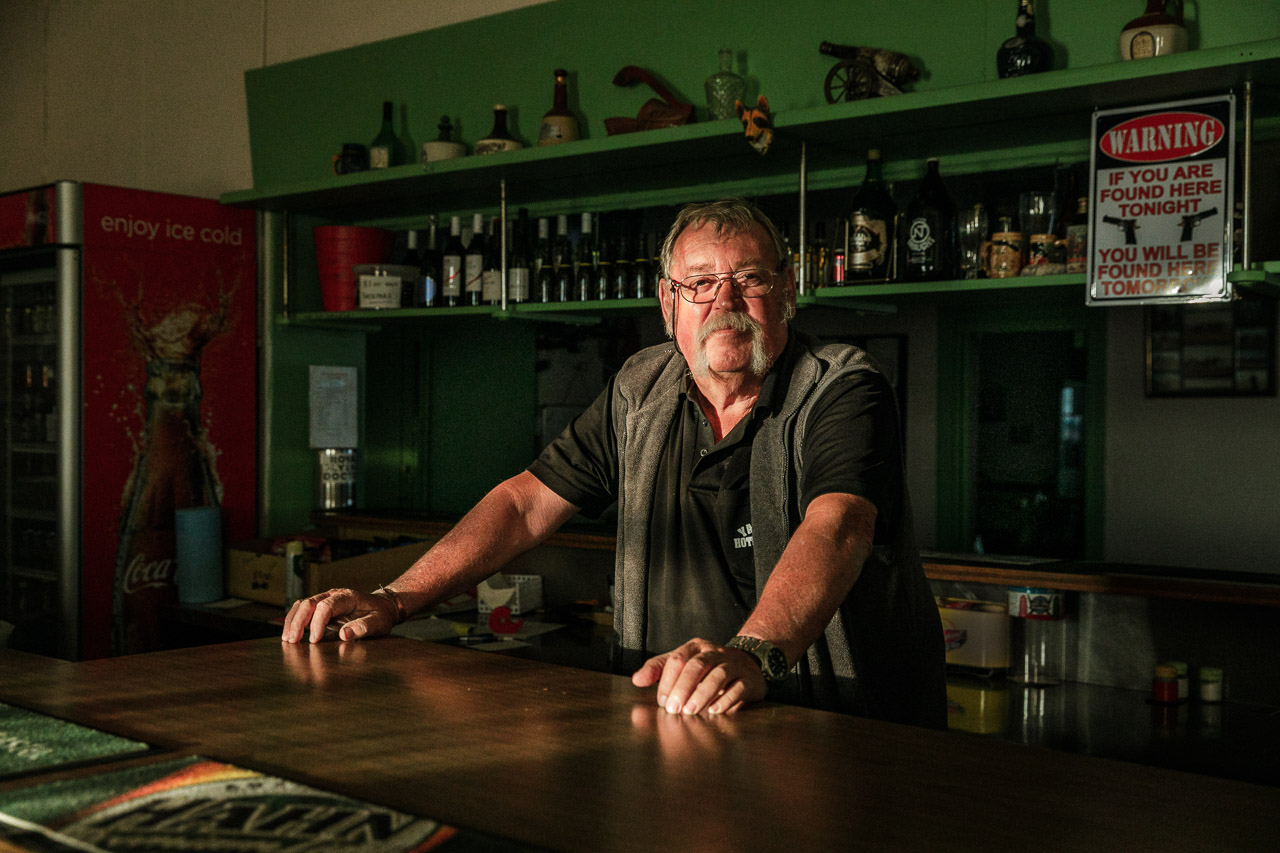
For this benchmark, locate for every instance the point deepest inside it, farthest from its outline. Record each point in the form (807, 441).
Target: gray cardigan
(882, 653)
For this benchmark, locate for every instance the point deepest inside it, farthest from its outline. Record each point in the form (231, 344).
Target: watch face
(777, 668)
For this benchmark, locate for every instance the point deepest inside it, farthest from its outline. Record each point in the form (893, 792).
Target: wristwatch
(773, 661)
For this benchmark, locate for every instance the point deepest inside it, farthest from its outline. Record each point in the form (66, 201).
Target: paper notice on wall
(1161, 203)
(334, 407)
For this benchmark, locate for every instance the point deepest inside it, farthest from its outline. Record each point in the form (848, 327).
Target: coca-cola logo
(1162, 136)
(142, 573)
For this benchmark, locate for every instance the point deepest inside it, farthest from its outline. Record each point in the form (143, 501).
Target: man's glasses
(752, 283)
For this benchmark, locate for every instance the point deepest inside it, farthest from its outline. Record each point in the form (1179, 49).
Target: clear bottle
(1037, 636)
(870, 252)
(384, 151)
(452, 270)
(1025, 53)
(473, 263)
(724, 88)
(930, 224)
(559, 125)
(499, 138)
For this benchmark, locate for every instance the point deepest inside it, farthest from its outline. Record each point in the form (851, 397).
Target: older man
(764, 532)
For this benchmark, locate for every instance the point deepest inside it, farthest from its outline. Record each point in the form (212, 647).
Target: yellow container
(978, 707)
(976, 633)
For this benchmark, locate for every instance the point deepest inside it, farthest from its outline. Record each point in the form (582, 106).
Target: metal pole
(1247, 178)
(801, 274)
(502, 242)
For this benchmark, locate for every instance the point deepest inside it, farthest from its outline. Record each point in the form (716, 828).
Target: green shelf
(964, 124)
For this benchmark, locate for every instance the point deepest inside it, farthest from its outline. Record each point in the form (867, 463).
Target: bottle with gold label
(870, 227)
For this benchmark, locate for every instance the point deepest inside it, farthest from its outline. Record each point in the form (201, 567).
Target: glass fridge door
(39, 579)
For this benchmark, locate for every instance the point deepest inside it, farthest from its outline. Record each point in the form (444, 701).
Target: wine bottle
(585, 262)
(453, 272)
(640, 272)
(562, 255)
(545, 267)
(871, 226)
(429, 270)
(605, 258)
(473, 262)
(384, 151)
(621, 248)
(930, 224)
(1025, 53)
(409, 287)
(499, 138)
(491, 275)
(520, 269)
(559, 125)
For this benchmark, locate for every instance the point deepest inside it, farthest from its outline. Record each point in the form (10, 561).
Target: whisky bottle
(559, 125)
(1025, 53)
(871, 226)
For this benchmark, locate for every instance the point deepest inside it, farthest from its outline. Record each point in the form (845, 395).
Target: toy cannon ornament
(668, 112)
(866, 72)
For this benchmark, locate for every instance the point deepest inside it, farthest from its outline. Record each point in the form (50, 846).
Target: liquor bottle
(605, 258)
(559, 125)
(384, 151)
(491, 275)
(452, 271)
(641, 275)
(409, 288)
(871, 226)
(818, 254)
(429, 270)
(473, 262)
(1078, 237)
(584, 264)
(544, 264)
(723, 88)
(930, 223)
(499, 138)
(620, 246)
(520, 269)
(173, 469)
(562, 260)
(1025, 53)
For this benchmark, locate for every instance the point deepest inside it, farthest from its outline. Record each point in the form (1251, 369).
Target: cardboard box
(256, 574)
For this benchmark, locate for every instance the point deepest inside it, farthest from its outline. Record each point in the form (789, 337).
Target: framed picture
(1222, 349)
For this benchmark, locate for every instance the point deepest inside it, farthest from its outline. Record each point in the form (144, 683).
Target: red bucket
(338, 249)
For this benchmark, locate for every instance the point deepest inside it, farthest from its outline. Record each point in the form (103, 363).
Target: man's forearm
(515, 516)
(818, 568)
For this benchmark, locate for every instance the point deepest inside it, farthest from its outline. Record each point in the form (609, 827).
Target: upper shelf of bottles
(984, 126)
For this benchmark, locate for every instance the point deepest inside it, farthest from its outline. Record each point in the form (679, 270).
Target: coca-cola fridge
(129, 340)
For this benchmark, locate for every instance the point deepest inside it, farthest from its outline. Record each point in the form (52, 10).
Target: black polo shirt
(701, 555)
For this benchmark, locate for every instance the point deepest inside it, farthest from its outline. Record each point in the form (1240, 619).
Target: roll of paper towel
(198, 532)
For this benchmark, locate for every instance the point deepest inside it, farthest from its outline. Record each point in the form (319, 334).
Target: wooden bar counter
(569, 759)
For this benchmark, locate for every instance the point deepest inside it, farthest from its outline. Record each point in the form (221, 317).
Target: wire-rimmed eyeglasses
(704, 287)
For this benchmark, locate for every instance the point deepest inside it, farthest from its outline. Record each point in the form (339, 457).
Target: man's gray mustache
(734, 320)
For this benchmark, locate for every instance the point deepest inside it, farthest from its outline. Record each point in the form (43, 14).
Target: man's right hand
(354, 615)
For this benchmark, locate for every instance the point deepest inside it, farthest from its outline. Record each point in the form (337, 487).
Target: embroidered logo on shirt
(743, 539)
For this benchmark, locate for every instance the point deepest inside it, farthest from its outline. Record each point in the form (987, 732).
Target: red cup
(338, 249)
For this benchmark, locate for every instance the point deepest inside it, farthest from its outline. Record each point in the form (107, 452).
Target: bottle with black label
(871, 227)
(1025, 53)
(499, 138)
(453, 272)
(429, 270)
(385, 151)
(473, 263)
(930, 225)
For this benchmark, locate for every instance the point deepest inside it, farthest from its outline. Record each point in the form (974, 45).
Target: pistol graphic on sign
(1129, 226)
(1190, 221)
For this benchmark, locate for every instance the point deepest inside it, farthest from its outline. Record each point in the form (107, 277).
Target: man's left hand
(701, 675)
